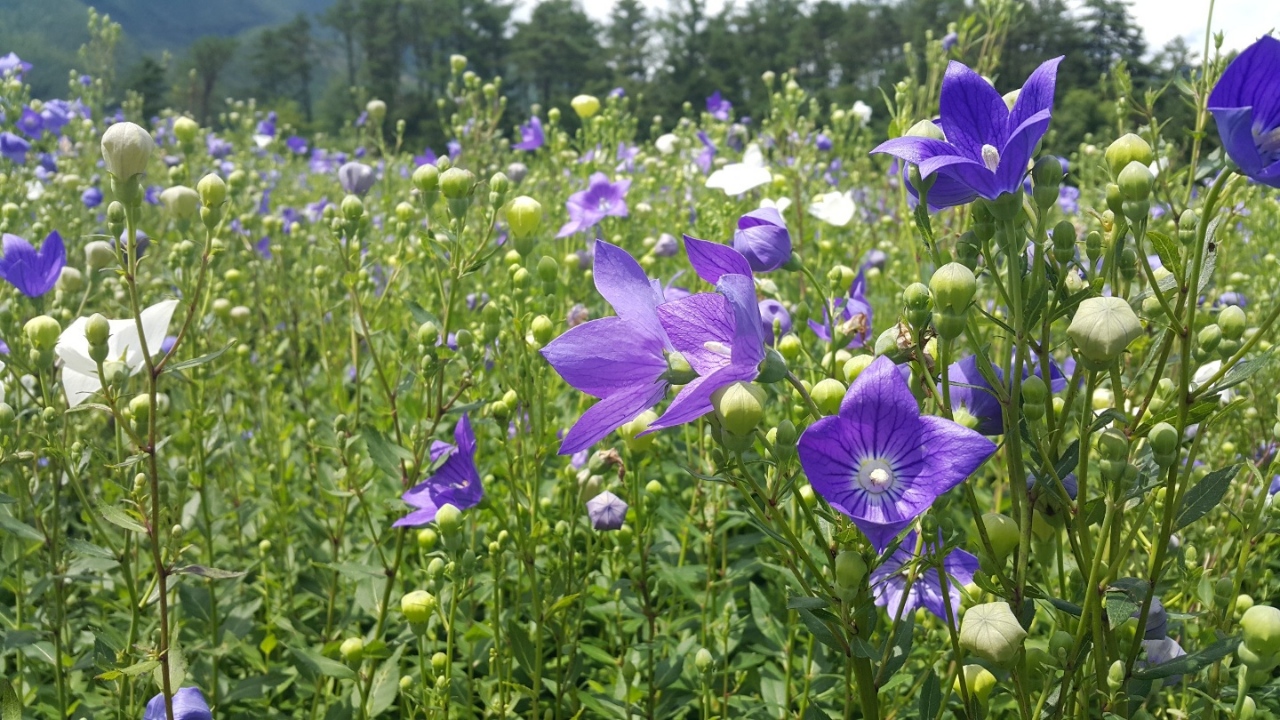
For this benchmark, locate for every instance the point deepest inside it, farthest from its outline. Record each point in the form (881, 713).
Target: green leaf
(202, 360)
(521, 646)
(120, 518)
(321, 665)
(1205, 495)
(930, 696)
(820, 630)
(10, 705)
(208, 572)
(1191, 663)
(806, 603)
(88, 549)
(903, 632)
(386, 684)
(1244, 370)
(17, 528)
(1120, 607)
(386, 455)
(1167, 248)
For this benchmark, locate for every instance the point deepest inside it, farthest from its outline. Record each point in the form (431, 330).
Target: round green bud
(1126, 150)
(790, 347)
(126, 150)
(992, 632)
(457, 183)
(543, 329)
(1163, 438)
(140, 406)
(827, 395)
(585, 105)
(1248, 709)
(850, 569)
(1064, 236)
(1102, 328)
(426, 178)
(428, 334)
(448, 518)
(953, 286)
(98, 255)
(654, 487)
(1261, 629)
(182, 202)
(1034, 390)
(1232, 321)
(97, 329)
(926, 129)
(1187, 223)
(352, 650)
(1256, 661)
(439, 662)
(185, 129)
(1243, 603)
(978, 680)
(1209, 337)
(854, 366)
(548, 269)
(917, 297)
(418, 606)
(703, 660)
(1135, 181)
(377, 110)
(785, 434)
(1113, 445)
(70, 280)
(1003, 533)
(1061, 645)
(739, 406)
(1115, 675)
(499, 183)
(42, 332)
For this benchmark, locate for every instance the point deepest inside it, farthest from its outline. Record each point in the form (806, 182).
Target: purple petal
(622, 282)
(1036, 95)
(748, 334)
(694, 322)
(607, 415)
(601, 356)
(973, 113)
(711, 260)
(694, 400)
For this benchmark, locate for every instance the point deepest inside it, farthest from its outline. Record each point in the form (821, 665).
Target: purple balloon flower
(11, 63)
(720, 334)
(428, 157)
(666, 246)
(719, 108)
(531, 137)
(296, 145)
(601, 199)
(853, 314)
(949, 41)
(188, 704)
(606, 511)
(708, 154)
(988, 146)
(882, 463)
(217, 147)
(455, 149)
(772, 311)
(763, 240)
(1246, 104)
(14, 147)
(889, 582)
(621, 359)
(33, 272)
(356, 178)
(30, 123)
(823, 143)
(92, 197)
(456, 482)
(971, 392)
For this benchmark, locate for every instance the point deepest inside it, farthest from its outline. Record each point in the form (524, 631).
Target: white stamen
(718, 348)
(991, 157)
(1269, 141)
(875, 476)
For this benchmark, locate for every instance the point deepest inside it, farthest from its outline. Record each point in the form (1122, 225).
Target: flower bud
(784, 435)
(1135, 181)
(992, 632)
(1101, 330)
(97, 329)
(854, 366)
(1113, 445)
(181, 202)
(1003, 533)
(739, 406)
(352, 650)
(352, 208)
(1115, 675)
(1232, 321)
(377, 110)
(850, 569)
(1128, 149)
(448, 518)
(979, 681)
(1187, 222)
(212, 190)
(426, 179)
(42, 332)
(126, 149)
(457, 183)
(827, 395)
(70, 280)
(98, 255)
(524, 215)
(185, 130)
(953, 286)
(1261, 629)
(585, 105)
(418, 606)
(543, 329)
(926, 129)
(703, 660)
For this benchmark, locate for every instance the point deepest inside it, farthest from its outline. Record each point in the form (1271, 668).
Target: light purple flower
(620, 359)
(1246, 105)
(296, 145)
(763, 239)
(588, 207)
(30, 123)
(188, 704)
(949, 41)
(91, 197)
(14, 147)
(853, 314)
(823, 143)
(531, 136)
(33, 272)
(770, 311)
(455, 149)
(719, 108)
(626, 157)
(356, 178)
(456, 482)
(217, 147)
(606, 511)
(708, 154)
(1069, 199)
(666, 246)
(11, 63)
(882, 463)
(889, 581)
(428, 157)
(971, 391)
(988, 146)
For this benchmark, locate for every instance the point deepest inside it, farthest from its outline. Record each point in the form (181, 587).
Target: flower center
(875, 476)
(1268, 141)
(718, 348)
(991, 157)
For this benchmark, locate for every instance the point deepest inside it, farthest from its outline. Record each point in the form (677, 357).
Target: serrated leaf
(88, 549)
(1244, 370)
(120, 518)
(1205, 496)
(17, 528)
(1120, 607)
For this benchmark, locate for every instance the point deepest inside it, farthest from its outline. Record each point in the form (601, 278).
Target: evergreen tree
(557, 54)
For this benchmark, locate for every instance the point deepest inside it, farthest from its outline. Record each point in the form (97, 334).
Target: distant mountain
(47, 33)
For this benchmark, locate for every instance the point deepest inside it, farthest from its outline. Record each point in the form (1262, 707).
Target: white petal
(79, 386)
(753, 156)
(738, 178)
(834, 208)
(73, 348)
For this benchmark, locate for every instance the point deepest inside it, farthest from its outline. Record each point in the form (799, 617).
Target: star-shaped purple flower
(456, 482)
(763, 239)
(188, 704)
(33, 272)
(889, 581)
(720, 108)
(531, 137)
(853, 314)
(882, 463)
(988, 146)
(601, 199)
(1246, 104)
(30, 123)
(620, 359)
(606, 511)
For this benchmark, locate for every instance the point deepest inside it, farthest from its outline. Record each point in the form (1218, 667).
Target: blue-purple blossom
(666, 246)
(763, 239)
(1069, 199)
(720, 108)
(823, 143)
(949, 41)
(92, 197)
(626, 157)
(188, 704)
(889, 580)
(606, 511)
(356, 178)
(454, 148)
(217, 147)
(620, 359)
(456, 482)
(708, 154)
(531, 136)
(971, 393)
(30, 123)
(588, 207)
(267, 126)
(11, 63)
(1246, 105)
(853, 314)
(33, 272)
(14, 147)
(617, 93)
(773, 312)
(296, 145)
(989, 146)
(879, 461)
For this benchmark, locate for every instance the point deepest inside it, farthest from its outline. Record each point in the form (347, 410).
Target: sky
(1162, 20)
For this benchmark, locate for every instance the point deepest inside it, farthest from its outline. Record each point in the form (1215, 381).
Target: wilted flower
(882, 463)
(33, 272)
(601, 199)
(456, 482)
(531, 137)
(1244, 103)
(720, 108)
(762, 238)
(738, 178)
(607, 511)
(80, 372)
(188, 704)
(356, 178)
(622, 359)
(889, 581)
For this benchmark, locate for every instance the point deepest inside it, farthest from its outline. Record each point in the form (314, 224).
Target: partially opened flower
(833, 208)
(601, 199)
(853, 314)
(531, 136)
(882, 463)
(455, 482)
(988, 146)
(738, 178)
(763, 239)
(889, 580)
(973, 404)
(11, 63)
(1246, 105)
(188, 704)
(607, 511)
(621, 359)
(13, 147)
(33, 272)
(80, 372)
(720, 108)
(773, 312)
(356, 178)
(708, 153)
